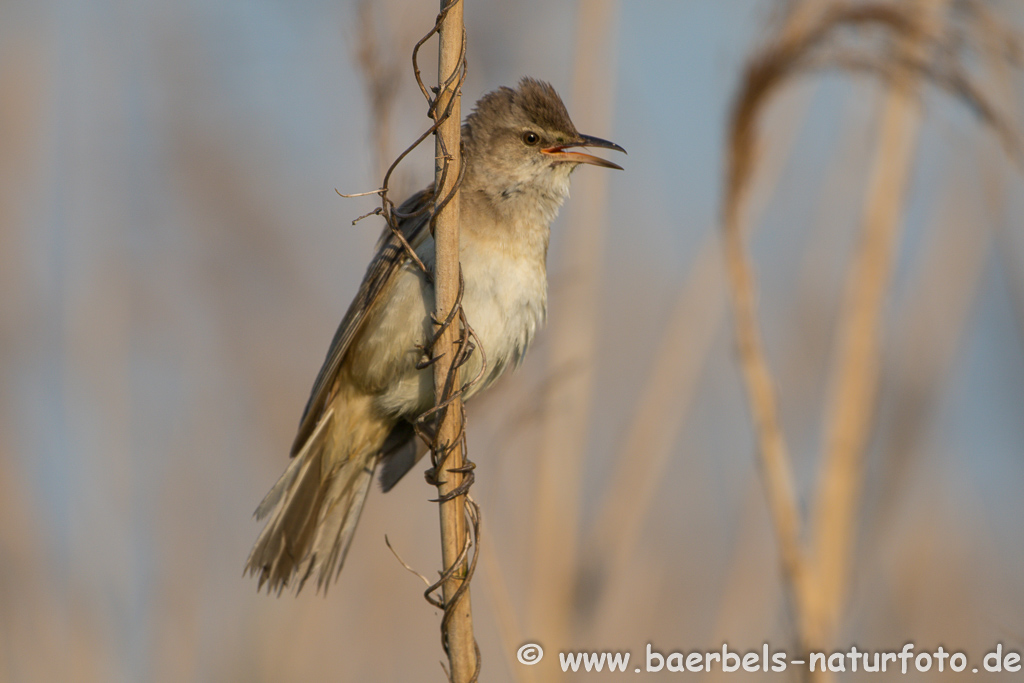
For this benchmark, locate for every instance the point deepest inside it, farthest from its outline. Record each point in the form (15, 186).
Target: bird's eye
(530, 138)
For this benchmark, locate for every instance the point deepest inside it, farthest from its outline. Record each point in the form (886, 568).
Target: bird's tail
(313, 508)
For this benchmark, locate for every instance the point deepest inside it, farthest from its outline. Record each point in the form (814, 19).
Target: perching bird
(518, 156)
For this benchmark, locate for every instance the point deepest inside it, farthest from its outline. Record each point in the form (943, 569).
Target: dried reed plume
(906, 45)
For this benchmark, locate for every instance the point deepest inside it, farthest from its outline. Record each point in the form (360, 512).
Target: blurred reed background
(174, 261)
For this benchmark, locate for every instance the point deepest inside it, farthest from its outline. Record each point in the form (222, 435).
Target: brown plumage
(369, 389)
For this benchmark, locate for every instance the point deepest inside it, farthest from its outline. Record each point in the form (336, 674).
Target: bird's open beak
(560, 153)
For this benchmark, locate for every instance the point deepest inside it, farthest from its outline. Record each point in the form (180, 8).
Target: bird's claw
(428, 361)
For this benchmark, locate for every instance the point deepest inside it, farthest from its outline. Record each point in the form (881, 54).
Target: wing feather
(389, 258)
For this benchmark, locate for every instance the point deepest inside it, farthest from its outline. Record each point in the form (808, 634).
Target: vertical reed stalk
(573, 344)
(848, 422)
(458, 625)
(669, 390)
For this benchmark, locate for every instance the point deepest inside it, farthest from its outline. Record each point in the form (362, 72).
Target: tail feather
(302, 461)
(346, 496)
(313, 511)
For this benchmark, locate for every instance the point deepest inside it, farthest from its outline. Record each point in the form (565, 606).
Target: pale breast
(505, 300)
(506, 303)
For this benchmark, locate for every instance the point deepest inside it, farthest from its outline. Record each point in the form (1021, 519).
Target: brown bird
(519, 149)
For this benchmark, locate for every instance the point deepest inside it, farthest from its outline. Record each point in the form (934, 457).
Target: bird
(519, 149)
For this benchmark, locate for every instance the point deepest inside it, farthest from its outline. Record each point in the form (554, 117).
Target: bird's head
(521, 142)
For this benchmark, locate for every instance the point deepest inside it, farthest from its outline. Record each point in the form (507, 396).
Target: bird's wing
(389, 258)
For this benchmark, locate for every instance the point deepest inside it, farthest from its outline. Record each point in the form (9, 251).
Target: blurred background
(174, 261)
